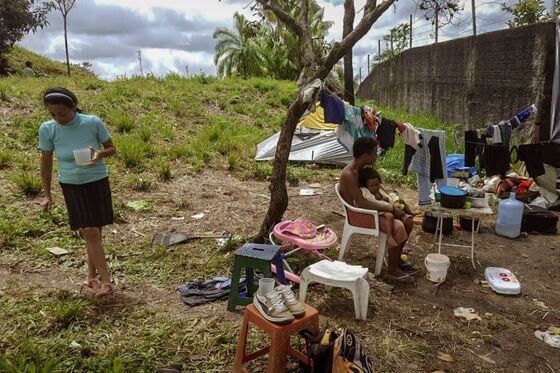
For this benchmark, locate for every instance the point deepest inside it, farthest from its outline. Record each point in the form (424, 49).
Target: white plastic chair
(350, 229)
(341, 275)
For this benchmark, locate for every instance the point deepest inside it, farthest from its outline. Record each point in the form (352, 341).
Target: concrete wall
(472, 81)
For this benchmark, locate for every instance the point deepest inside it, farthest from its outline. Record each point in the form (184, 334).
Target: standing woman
(85, 186)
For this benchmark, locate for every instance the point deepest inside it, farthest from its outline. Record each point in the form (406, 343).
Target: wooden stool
(279, 335)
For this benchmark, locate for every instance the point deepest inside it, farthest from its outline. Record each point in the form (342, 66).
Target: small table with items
(473, 212)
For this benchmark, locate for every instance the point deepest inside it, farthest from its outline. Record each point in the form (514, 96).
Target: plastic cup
(468, 205)
(266, 286)
(453, 181)
(82, 156)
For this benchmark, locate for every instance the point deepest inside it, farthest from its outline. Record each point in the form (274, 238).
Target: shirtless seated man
(365, 154)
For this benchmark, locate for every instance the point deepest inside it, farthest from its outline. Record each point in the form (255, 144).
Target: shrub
(131, 151)
(5, 158)
(141, 184)
(28, 184)
(123, 122)
(164, 171)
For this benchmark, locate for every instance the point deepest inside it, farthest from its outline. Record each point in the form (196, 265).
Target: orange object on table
(279, 335)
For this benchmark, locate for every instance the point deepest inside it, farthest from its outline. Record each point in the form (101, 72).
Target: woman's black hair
(368, 173)
(61, 96)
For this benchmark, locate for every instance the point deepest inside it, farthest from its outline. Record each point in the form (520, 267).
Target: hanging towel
(352, 127)
(551, 153)
(369, 118)
(496, 135)
(532, 155)
(473, 147)
(505, 131)
(421, 163)
(386, 133)
(333, 107)
(411, 136)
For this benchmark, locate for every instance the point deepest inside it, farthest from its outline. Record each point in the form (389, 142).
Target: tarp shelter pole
(555, 104)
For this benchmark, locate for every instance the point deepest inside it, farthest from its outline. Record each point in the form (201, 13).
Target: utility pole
(410, 32)
(368, 64)
(437, 20)
(360, 74)
(473, 17)
(379, 50)
(140, 61)
(187, 68)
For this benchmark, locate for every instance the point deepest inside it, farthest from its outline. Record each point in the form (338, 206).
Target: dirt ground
(405, 329)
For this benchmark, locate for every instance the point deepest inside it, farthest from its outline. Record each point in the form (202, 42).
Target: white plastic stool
(342, 275)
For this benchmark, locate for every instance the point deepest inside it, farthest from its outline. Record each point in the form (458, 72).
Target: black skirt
(88, 205)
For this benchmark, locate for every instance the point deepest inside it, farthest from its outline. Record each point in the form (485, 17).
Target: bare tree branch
(304, 13)
(288, 20)
(371, 14)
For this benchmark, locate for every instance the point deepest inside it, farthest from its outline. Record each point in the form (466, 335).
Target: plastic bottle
(510, 214)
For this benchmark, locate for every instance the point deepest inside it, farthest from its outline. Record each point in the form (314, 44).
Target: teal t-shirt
(81, 132)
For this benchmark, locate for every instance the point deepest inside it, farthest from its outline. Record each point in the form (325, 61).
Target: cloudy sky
(174, 34)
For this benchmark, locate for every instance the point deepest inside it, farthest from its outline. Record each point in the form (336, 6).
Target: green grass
(28, 184)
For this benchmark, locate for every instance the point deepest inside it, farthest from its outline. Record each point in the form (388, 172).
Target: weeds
(142, 184)
(28, 184)
(132, 151)
(5, 159)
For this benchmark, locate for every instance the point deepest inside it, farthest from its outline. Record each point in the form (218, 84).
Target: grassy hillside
(43, 66)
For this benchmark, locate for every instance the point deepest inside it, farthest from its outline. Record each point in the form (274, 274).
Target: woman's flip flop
(106, 289)
(403, 279)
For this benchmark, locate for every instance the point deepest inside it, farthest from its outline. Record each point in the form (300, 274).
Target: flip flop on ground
(403, 279)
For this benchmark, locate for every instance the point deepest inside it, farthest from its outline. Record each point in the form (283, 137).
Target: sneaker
(272, 307)
(296, 307)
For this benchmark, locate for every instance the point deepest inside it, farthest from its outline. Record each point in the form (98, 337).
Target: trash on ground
(307, 192)
(315, 185)
(140, 205)
(57, 251)
(502, 281)
(540, 303)
(466, 313)
(198, 216)
(445, 357)
(551, 336)
(178, 218)
(75, 344)
(169, 239)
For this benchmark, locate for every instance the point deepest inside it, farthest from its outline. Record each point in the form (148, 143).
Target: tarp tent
(314, 141)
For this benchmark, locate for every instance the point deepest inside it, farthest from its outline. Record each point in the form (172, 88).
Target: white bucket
(437, 265)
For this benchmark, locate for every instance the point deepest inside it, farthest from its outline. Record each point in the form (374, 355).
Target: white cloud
(176, 33)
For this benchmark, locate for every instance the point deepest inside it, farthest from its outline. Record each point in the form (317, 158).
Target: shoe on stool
(272, 307)
(296, 307)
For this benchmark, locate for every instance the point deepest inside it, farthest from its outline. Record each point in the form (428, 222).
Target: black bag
(537, 219)
(429, 223)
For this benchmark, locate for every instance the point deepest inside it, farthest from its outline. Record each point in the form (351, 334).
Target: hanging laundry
(473, 147)
(505, 131)
(496, 135)
(422, 163)
(495, 159)
(333, 107)
(386, 133)
(412, 139)
(532, 155)
(522, 116)
(370, 118)
(551, 153)
(352, 127)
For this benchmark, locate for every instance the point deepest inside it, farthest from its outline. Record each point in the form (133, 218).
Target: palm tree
(237, 50)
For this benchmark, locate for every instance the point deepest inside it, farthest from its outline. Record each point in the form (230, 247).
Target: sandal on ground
(403, 279)
(106, 289)
(92, 285)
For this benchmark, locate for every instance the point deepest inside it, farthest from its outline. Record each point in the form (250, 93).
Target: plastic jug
(510, 213)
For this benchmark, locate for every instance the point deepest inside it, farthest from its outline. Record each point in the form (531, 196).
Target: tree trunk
(66, 45)
(278, 192)
(348, 26)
